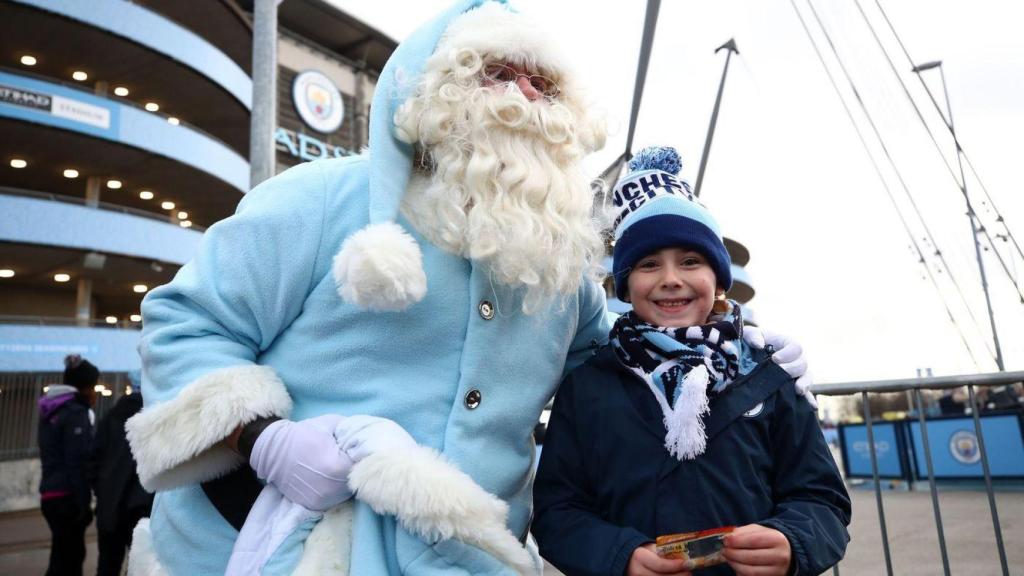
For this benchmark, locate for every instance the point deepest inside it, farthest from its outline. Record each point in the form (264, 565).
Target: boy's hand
(755, 550)
(646, 562)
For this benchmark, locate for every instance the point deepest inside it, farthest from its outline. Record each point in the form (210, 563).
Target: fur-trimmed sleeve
(204, 331)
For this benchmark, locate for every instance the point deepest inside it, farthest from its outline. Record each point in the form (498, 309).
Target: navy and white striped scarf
(683, 367)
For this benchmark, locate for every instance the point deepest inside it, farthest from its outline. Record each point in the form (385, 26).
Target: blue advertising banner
(51, 104)
(954, 447)
(888, 449)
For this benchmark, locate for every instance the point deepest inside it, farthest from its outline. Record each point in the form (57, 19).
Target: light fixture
(111, 319)
(135, 318)
(185, 224)
(18, 163)
(182, 215)
(127, 389)
(62, 277)
(99, 387)
(79, 75)
(121, 91)
(46, 389)
(107, 393)
(70, 173)
(146, 195)
(114, 184)
(140, 288)
(28, 60)
(173, 121)
(167, 205)
(152, 106)
(6, 273)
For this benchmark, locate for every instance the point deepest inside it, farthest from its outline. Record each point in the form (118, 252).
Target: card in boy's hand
(699, 549)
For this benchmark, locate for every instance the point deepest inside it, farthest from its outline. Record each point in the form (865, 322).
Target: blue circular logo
(963, 445)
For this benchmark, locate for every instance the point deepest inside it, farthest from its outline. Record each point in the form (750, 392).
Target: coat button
(486, 310)
(473, 399)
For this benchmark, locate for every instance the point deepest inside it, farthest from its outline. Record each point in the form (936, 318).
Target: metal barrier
(19, 412)
(915, 385)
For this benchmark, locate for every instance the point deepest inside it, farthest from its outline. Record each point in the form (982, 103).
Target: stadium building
(124, 134)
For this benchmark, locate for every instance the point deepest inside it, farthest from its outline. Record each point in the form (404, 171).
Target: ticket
(699, 549)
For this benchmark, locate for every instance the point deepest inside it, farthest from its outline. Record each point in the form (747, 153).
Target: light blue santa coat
(254, 326)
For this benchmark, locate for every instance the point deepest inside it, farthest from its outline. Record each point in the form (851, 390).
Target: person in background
(120, 499)
(65, 437)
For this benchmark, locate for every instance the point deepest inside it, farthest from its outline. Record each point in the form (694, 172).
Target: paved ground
(25, 544)
(24, 537)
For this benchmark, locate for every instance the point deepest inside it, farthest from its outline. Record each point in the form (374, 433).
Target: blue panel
(34, 221)
(151, 132)
(955, 452)
(78, 111)
(42, 348)
(857, 456)
(159, 34)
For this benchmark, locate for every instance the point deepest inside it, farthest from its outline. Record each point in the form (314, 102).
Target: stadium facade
(124, 134)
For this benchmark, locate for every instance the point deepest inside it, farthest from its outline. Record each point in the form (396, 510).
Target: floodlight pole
(971, 215)
(730, 48)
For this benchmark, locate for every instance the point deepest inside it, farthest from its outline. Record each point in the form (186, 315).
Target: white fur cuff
(142, 560)
(434, 500)
(380, 268)
(179, 442)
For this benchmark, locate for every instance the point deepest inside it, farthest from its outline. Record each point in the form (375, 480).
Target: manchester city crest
(963, 445)
(318, 101)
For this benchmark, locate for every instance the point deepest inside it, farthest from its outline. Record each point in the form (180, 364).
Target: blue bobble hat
(656, 210)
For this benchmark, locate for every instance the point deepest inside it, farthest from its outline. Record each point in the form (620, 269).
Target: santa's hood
(380, 267)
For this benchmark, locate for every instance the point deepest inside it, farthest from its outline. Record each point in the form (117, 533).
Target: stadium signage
(58, 106)
(318, 101)
(306, 147)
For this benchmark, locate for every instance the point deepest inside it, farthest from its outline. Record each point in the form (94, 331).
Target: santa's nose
(531, 93)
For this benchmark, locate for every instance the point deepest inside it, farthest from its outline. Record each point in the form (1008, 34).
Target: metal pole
(931, 481)
(974, 224)
(730, 47)
(646, 43)
(878, 485)
(262, 154)
(988, 480)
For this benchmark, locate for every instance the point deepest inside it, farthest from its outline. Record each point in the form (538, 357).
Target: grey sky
(787, 176)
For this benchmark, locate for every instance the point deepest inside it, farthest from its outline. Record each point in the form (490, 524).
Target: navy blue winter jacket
(65, 439)
(607, 484)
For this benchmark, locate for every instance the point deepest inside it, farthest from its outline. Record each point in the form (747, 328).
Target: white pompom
(380, 268)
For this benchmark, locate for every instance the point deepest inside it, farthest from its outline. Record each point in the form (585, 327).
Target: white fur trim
(179, 442)
(495, 30)
(434, 500)
(328, 550)
(686, 438)
(380, 268)
(142, 560)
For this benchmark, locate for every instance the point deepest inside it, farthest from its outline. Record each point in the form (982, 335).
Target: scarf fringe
(686, 438)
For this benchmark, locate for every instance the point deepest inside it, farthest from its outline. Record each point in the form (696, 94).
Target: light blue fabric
(261, 291)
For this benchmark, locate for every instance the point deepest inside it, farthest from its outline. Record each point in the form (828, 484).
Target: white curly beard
(506, 186)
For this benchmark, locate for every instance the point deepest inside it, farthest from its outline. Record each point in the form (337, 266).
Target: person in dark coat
(677, 425)
(120, 499)
(65, 438)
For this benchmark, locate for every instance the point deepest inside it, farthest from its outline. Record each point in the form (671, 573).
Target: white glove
(360, 436)
(789, 355)
(303, 461)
